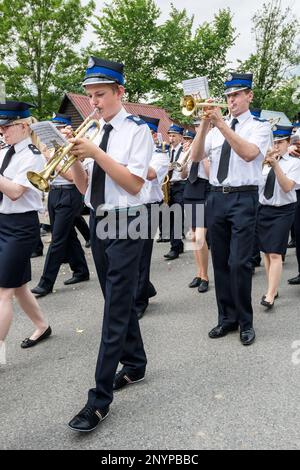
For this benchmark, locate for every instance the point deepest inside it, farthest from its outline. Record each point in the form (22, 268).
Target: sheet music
(49, 135)
(196, 86)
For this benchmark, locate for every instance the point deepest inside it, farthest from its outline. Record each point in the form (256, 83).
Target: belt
(62, 186)
(233, 189)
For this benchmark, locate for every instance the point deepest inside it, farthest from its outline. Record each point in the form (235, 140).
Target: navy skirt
(19, 235)
(194, 198)
(273, 226)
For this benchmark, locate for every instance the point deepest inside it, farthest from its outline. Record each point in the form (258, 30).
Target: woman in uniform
(19, 225)
(195, 193)
(277, 208)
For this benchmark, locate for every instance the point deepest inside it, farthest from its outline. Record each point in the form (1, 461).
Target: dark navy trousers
(117, 264)
(63, 206)
(297, 228)
(231, 223)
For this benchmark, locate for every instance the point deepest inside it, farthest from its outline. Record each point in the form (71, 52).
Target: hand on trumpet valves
(212, 113)
(67, 132)
(272, 157)
(84, 148)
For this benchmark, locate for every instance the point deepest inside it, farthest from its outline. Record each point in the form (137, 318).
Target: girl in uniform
(277, 208)
(19, 225)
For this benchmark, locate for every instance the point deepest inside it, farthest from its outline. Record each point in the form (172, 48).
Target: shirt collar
(117, 120)
(23, 144)
(242, 117)
(286, 156)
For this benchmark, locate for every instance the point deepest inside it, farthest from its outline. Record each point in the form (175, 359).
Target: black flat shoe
(267, 304)
(41, 291)
(203, 287)
(76, 279)
(294, 280)
(195, 282)
(28, 343)
(276, 296)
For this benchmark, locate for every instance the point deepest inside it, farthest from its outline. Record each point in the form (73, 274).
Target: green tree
(127, 33)
(38, 42)
(186, 54)
(277, 49)
(285, 98)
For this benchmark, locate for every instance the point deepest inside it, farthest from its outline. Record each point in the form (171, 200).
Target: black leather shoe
(247, 336)
(203, 287)
(88, 418)
(122, 379)
(181, 250)
(162, 240)
(276, 296)
(221, 330)
(75, 279)
(36, 254)
(28, 343)
(267, 304)
(294, 280)
(41, 291)
(195, 282)
(291, 244)
(171, 255)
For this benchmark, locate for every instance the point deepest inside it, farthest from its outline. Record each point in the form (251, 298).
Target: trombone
(42, 179)
(190, 105)
(178, 166)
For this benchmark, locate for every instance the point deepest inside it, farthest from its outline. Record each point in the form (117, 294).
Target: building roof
(82, 105)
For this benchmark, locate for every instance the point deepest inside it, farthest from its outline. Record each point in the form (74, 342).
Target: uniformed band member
(64, 206)
(19, 223)
(116, 174)
(194, 196)
(153, 196)
(277, 208)
(176, 190)
(294, 150)
(237, 148)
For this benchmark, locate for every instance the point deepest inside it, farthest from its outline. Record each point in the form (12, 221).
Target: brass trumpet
(50, 172)
(190, 105)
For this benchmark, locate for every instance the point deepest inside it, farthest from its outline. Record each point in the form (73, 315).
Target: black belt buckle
(226, 189)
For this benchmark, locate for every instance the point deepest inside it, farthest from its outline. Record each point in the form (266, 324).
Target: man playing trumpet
(236, 149)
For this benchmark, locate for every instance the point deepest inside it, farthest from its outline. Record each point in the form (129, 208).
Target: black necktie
(98, 178)
(193, 172)
(270, 184)
(10, 152)
(172, 155)
(225, 156)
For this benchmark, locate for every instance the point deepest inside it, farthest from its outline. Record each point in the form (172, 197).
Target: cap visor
(235, 89)
(97, 81)
(281, 137)
(4, 122)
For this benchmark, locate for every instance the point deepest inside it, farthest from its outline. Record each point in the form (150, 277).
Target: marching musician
(277, 208)
(115, 175)
(195, 194)
(176, 191)
(153, 198)
(19, 223)
(64, 205)
(236, 148)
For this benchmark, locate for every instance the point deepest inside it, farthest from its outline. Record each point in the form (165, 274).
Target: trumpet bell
(188, 105)
(38, 181)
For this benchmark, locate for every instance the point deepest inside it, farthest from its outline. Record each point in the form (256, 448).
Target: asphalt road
(198, 393)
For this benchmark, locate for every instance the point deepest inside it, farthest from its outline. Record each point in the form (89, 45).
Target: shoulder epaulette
(136, 119)
(260, 119)
(34, 149)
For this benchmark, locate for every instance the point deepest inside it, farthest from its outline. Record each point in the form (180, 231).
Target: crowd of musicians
(235, 182)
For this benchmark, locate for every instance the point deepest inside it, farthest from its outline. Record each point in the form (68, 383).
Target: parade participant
(19, 224)
(236, 148)
(152, 195)
(176, 190)
(113, 181)
(277, 208)
(64, 206)
(194, 196)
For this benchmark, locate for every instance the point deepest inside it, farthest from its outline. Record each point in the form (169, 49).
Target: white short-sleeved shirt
(240, 172)
(176, 175)
(22, 161)
(291, 168)
(151, 191)
(130, 144)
